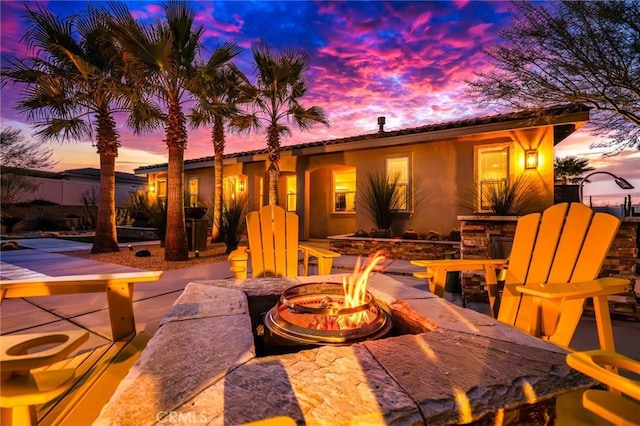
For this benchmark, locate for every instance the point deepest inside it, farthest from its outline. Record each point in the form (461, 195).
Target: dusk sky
(407, 61)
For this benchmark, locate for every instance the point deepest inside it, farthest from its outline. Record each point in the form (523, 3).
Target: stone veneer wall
(621, 261)
(395, 248)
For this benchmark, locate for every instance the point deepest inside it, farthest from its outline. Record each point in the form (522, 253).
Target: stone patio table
(444, 365)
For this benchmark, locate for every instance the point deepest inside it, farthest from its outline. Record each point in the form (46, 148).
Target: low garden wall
(395, 248)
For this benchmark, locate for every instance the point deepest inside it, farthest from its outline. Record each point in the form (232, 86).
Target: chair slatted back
(566, 243)
(273, 242)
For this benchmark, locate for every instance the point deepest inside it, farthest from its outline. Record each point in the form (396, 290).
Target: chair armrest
(325, 259)
(598, 287)
(118, 288)
(239, 259)
(592, 364)
(460, 264)
(318, 252)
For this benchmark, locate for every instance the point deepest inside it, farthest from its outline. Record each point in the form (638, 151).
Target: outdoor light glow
(531, 159)
(152, 188)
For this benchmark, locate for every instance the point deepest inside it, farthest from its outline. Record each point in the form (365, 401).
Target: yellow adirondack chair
(555, 259)
(610, 404)
(274, 247)
(46, 387)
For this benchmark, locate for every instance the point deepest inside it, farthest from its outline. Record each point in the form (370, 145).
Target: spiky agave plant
(510, 197)
(232, 223)
(381, 199)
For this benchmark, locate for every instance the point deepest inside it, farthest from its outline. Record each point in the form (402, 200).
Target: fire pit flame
(329, 313)
(355, 290)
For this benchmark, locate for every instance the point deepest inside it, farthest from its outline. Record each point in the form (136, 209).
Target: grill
(314, 314)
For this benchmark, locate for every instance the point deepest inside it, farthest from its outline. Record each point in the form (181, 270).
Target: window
(233, 187)
(399, 167)
(261, 192)
(162, 191)
(192, 191)
(291, 193)
(493, 172)
(344, 190)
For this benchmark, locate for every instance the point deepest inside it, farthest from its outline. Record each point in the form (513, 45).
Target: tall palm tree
(280, 85)
(161, 58)
(569, 170)
(219, 87)
(73, 86)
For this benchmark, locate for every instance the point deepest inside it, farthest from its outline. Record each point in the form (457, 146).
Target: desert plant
(10, 222)
(122, 217)
(232, 221)
(158, 219)
(510, 197)
(139, 207)
(90, 202)
(380, 200)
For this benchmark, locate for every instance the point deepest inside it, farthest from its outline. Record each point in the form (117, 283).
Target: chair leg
(324, 265)
(19, 416)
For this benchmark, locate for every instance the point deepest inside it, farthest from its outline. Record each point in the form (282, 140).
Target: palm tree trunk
(175, 243)
(106, 238)
(273, 145)
(218, 149)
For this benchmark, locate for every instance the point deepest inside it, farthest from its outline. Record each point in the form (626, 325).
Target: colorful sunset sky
(406, 61)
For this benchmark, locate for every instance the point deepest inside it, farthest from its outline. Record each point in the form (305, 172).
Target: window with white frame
(162, 191)
(344, 191)
(192, 191)
(492, 172)
(291, 193)
(398, 167)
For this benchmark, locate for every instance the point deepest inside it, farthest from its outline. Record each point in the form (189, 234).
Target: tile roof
(498, 118)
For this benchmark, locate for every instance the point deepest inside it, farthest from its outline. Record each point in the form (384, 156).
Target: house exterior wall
(69, 192)
(442, 177)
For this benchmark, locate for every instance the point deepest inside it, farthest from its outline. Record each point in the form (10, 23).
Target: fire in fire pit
(328, 313)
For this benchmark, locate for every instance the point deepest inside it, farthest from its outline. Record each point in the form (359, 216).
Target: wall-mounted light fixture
(152, 188)
(531, 159)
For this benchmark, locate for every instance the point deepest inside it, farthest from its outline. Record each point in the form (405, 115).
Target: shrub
(381, 200)
(510, 197)
(232, 223)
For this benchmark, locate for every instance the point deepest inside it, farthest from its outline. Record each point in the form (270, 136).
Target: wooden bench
(47, 387)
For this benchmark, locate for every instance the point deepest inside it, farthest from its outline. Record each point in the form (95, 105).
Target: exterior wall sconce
(152, 188)
(531, 159)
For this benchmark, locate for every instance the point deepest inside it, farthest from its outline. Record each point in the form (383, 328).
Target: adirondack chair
(553, 266)
(610, 404)
(274, 247)
(47, 387)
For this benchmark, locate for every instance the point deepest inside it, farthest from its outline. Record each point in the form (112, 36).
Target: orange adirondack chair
(610, 404)
(274, 247)
(553, 266)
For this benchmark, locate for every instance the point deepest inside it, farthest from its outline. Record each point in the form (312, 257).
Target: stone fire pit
(444, 365)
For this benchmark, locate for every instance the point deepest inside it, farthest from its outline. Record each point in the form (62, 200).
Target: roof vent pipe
(381, 121)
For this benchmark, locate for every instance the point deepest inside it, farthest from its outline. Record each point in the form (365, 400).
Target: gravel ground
(156, 262)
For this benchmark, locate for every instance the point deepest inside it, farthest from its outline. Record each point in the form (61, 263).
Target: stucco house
(440, 167)
(67, 187)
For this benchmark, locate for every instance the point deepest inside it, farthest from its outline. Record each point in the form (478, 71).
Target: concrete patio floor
(152, 300)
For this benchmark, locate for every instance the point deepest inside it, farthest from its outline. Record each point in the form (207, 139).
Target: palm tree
(569, 170)
(280, 85)
(160, 58)
(219, 86)
(73, 86)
